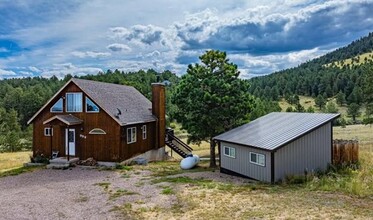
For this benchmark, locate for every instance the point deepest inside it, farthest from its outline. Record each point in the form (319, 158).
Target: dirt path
(55, 194)
(78, 193)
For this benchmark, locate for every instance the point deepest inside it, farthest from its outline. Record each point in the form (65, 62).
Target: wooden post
(218, 143)
(51, 137)
(355, 152)
(68, 145)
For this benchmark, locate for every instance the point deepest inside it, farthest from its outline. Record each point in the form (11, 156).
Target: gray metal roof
(134, 106)
(275, 129)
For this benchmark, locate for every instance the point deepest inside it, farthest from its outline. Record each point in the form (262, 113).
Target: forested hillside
(318, 79)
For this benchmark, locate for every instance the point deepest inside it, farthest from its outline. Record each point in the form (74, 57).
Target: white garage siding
(311, 152)
(241, 163)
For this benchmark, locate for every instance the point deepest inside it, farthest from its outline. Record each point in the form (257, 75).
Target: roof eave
(137, 122)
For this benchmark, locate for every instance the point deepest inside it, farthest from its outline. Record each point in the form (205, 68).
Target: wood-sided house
(108, 122)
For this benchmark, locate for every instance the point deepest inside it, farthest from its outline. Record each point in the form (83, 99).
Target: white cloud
(34, 69)
(26, 73)
(118, 47)
(7, 72)
(61, 70)
(3, 50)
(251, 66)
(90, 54)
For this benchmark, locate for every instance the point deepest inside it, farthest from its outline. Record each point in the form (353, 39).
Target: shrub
(39, 158)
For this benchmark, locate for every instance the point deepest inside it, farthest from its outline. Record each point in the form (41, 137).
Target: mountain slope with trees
(315, 78)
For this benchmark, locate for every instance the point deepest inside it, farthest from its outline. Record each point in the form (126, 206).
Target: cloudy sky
(53, 37)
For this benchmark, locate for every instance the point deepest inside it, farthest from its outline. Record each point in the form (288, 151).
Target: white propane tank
(189, 162)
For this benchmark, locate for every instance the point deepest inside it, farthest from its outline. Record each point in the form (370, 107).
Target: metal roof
(275, 129)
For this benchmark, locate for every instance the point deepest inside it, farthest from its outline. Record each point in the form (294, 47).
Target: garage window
(230, 152)
(258, 159)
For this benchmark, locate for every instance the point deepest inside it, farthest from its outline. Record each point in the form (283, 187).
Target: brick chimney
(159, 110)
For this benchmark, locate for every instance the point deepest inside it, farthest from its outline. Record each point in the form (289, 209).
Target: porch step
(61, 163)
(62, 160)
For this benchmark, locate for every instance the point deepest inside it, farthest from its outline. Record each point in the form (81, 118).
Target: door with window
(70, 141)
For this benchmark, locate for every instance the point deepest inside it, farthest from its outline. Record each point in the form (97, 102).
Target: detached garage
(278, 144)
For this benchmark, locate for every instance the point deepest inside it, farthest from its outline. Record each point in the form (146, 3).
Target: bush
(172, 125)
(39, 158)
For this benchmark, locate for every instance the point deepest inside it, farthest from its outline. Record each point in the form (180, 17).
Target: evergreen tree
(211, 99)
(310, 109)
(341, 98)
(353, 110)
(331, 107)
(320, 101)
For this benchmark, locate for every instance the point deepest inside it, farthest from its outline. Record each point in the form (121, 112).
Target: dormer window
(90, 106)
(58, 106)
(74, 102)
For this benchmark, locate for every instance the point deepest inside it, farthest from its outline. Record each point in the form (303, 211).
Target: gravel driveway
(76, 193)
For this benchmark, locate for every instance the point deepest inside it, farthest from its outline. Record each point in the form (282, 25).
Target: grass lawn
(9, 161)
(368, 56)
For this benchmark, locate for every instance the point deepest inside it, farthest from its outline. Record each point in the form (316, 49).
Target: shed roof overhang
(66, 119)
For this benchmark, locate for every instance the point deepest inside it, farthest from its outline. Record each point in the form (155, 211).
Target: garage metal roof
(275, 129)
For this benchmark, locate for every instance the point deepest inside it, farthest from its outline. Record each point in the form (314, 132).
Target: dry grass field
(360, 59)
(10, 161)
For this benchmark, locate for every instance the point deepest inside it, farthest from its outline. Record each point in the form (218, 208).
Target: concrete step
(61, 160)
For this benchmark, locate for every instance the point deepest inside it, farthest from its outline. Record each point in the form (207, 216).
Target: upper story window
(58, 106)
(90, 106)
(74, 102)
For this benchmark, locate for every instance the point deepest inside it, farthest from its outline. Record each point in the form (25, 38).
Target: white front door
(70, 141)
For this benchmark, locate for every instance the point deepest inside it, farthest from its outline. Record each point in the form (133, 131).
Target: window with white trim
(258, 159)
(58, 106)
(48, 131)
(230, 152)
(74, 102)
(143, 132)
(131, 135)
(90, 106)
(97, 131)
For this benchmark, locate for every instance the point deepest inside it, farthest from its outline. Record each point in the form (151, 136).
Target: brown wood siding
(141, 145)
(102, 147)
